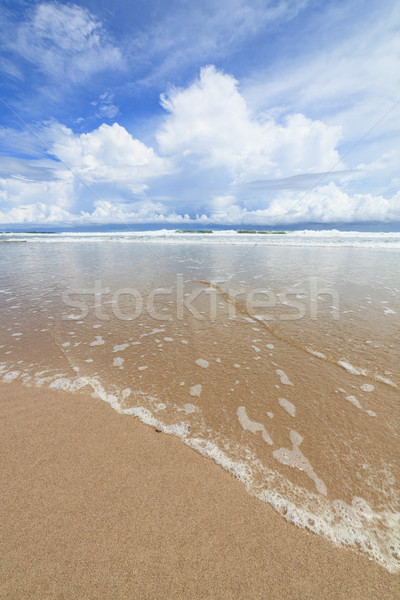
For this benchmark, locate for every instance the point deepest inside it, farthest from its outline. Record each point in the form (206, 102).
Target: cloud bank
(210, 155)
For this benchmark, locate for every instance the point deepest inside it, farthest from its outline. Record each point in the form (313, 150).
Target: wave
(355, 526)
(332, 238)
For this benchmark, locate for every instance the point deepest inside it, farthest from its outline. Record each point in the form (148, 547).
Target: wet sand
(97, 505)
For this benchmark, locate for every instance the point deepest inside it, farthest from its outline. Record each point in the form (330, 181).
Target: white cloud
(66, 42)
(325, 204)
(210, 123)
(23, 200)
(107, 154)
(140, 212)
(216, 159)
(92, 173)
(24, 192)
(105, 106)
(346, 75)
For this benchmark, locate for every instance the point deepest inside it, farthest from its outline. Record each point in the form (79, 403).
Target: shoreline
(97, 505)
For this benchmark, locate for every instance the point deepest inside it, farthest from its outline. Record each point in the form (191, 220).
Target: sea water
(275, 355)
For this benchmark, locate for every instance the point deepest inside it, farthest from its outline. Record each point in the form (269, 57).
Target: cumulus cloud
(22, 192)
(23, 200)
(325, 204)
(210, 123)
(215, 161)
(108, 153)
(92, 177)
(66, 42)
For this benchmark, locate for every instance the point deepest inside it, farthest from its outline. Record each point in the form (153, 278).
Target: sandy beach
(97, 505)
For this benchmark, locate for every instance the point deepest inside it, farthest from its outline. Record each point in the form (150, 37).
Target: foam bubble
(98, 342)
(316, 353)
(283, 377)
(295, 458)
(61, 384)
(241, 470)
(354, 401)
(118, 362)
(196, 390)
(357, 371)
(10, 376)
(253, 426)
(366, 387)
(288, 406)
(202, 363)
(120, 348)
(190, 408)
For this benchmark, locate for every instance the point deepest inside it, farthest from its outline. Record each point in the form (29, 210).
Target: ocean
(274, 354)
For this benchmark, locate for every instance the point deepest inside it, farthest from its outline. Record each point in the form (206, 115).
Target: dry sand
(97, 505)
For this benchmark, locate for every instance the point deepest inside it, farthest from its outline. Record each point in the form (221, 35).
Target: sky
(230, 113)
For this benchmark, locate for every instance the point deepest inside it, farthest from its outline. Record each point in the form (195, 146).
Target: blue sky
(229, 112)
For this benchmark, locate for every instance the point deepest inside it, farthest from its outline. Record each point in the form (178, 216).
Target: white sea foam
(358, 371)
(288, 406)
(318, 238)
(366, 387)
(120, 348)
(98, 341)
(295, 458)
(376, 533)
(201, 362)
(253, 426)
(10, 376)
(189, 408)
(354, 401)
(196, 390)
(61, 384)
(316, 353)
(283, 377)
